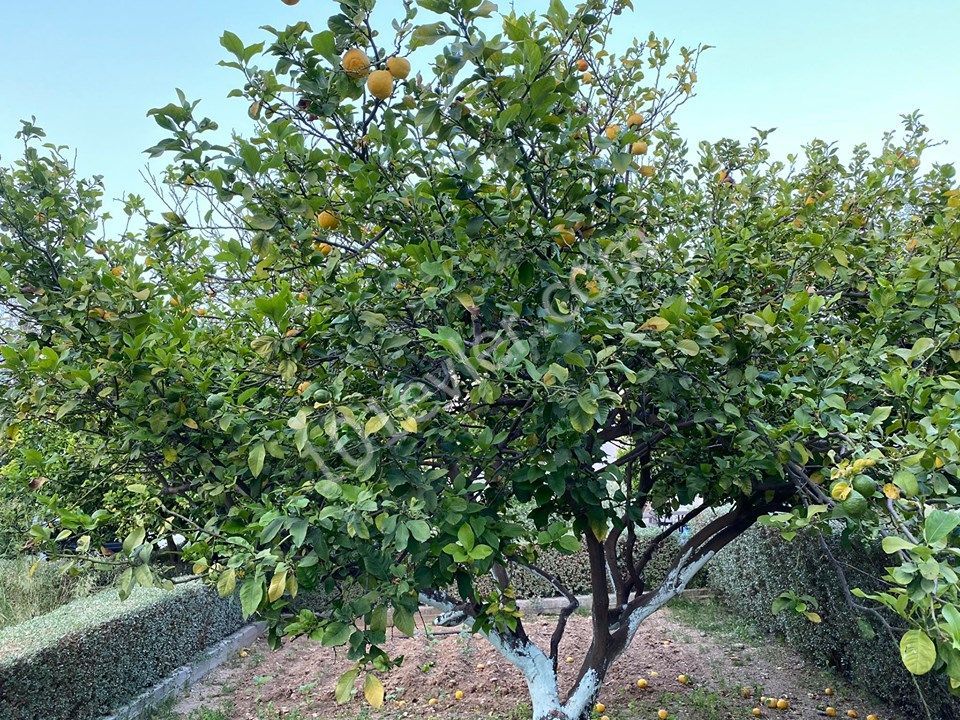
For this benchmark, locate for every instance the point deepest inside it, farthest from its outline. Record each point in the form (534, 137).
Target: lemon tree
(461, 293)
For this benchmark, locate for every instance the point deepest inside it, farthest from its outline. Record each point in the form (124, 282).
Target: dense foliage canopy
(408, 331)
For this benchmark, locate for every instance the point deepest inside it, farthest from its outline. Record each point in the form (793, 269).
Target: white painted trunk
(536, 666)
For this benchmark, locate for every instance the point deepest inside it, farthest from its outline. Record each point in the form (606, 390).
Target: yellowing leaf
(841, 491)
(375, 424)
(917, 652)
(191, 423)
(227, 582)
(373, 691)
(656, 323)
(688, 347)
(466, 299)
(409, 424)
(277, 585)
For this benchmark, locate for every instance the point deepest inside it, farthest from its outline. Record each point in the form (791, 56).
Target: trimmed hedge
(574, 570)
(90, 656)
(750, 573)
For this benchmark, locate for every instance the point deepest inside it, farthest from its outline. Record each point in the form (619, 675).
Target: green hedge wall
(90, 656)
(574, 569)
(755, 569)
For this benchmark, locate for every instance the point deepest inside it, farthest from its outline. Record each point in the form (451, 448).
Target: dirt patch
(297, 681)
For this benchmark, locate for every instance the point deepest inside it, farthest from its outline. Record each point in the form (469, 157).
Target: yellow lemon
(380, 84)
(647, 170)
(638, 148)
(830, 712)
(599, 708)
(634, 120)
(398, 67)
(355, 63)
(642, 683)
(327, 220)
(458, 695)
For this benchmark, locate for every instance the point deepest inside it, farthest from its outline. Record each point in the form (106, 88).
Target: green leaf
(917, 652)
(939, 524)
(466, 537)
(893, 544)
(345, 685)
(134, 540)
(404, 622)
(251, 593)
(328, 488)
(255, 458)
(878, 415)
(232, 43)
(336, 634)
(419, 529)
(427, 34)
(907, 482)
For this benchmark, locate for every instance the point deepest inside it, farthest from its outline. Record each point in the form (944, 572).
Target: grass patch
(24, 596)
(710, 616)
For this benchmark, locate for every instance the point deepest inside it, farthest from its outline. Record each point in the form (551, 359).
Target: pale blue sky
(837, 69)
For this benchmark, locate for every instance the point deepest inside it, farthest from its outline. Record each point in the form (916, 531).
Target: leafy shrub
(95, 653)
(751, 573)
(25, 594)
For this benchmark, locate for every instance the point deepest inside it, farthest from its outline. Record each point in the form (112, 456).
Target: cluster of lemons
(356, 65)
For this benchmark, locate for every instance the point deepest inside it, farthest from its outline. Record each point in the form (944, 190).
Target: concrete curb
(187, 675)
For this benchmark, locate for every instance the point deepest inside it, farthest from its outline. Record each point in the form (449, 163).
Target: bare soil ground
(695, 639)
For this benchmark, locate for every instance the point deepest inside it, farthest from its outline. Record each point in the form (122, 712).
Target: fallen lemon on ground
(831, 712)
(683, 679)
(756, 712)
(642, 683)
(852, 713)
(662, 714)
(458, 695)
(569, 658)
(871, 716)
(432, 701)
(599, 707)
(783, 704)
(828, 691)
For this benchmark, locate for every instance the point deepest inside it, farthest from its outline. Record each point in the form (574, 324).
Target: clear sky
(841, 70)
